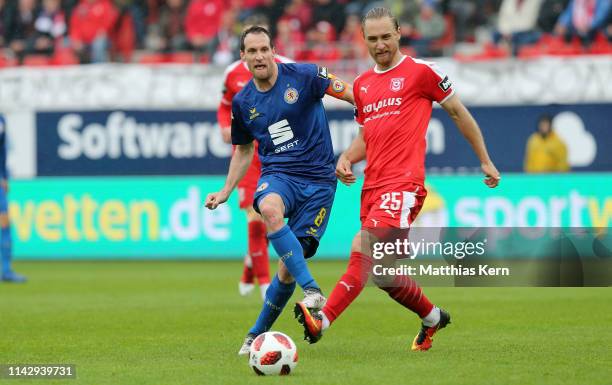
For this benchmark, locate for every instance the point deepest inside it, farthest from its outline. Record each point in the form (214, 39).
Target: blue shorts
(3, 201)
(307, 206)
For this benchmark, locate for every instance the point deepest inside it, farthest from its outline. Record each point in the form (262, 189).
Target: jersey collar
(389, 69)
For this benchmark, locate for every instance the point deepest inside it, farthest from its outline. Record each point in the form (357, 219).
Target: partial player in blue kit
(6, 244)
(281, 108)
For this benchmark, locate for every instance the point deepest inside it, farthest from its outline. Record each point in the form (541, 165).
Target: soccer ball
(273, 353)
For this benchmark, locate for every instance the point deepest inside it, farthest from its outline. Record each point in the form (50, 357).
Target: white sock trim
(432, 318)
(325, 321)
(263, 287)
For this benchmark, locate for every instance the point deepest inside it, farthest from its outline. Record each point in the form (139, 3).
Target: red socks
(258, 250)
(247, 271)
(407, 293)
(349, 286)
(404, 290)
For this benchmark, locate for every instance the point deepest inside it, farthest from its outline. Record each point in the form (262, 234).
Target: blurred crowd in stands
(43, 32)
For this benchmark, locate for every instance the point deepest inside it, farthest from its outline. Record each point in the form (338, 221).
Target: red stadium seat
(183, 57)
(489, 52)
(570, 49)
(531, 51)
(64, 56)
(36, 61)
(548, 39)
(6, 61)
(152, 58)
(600, 46)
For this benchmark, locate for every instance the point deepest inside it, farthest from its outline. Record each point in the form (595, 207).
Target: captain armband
(337, 87)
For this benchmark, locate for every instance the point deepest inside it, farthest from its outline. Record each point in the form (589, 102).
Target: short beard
(266, 77)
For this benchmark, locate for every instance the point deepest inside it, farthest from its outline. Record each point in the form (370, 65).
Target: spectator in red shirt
(330, 11)
(289, 39)
(202, 23)
(320, 44)
(351, 39)
(299, 11)
(91, 23)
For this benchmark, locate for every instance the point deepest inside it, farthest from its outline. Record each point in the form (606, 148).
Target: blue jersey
(289, 123)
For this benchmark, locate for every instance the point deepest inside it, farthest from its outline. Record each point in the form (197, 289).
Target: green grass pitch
(182, 323)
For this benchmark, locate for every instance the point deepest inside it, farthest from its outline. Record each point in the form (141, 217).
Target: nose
(379, 44)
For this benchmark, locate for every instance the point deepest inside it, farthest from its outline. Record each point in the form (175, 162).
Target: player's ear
(242, 55)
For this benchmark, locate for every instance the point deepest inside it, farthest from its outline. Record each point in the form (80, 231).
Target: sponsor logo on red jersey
(445, 84)
(389, 102)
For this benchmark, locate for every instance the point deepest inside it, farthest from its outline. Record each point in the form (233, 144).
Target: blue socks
(5, 249)
(277, 296)
(290, 252)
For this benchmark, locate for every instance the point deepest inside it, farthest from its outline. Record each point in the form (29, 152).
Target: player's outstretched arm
(340, 89)
(470, 130)
(355, 153)
(238, 167)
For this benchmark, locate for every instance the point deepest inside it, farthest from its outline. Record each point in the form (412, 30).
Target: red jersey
(394, 108)
(236, 76)
(203, 18)
(92, 19)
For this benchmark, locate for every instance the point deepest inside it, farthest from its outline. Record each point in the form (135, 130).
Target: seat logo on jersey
(280, 132)
(396, 84)
(445, 84)
(291, 95)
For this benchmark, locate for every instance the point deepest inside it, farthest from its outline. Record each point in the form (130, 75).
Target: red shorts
(248, 184)
(391, 206)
